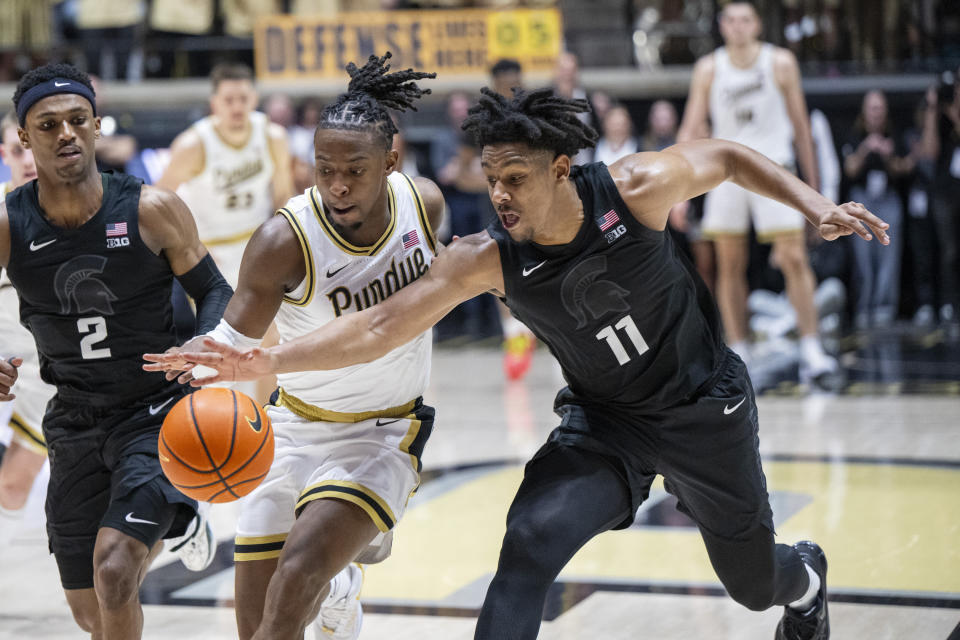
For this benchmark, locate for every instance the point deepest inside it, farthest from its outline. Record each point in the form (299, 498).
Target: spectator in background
(566, 83)
(455, 163)
(506, 74)
(617, 139)
(873, 161)
(942, 143)
(661, 127)
(301, 143)
(921, 235)
(116, 149)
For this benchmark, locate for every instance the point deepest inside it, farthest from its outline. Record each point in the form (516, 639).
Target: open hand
(850, 218)
(172, 363)
(230, 364)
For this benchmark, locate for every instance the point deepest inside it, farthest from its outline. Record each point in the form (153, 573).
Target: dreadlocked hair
(540, 119)
(370, 93)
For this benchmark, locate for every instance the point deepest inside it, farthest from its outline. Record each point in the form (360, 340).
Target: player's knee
(527, 545)
(792, 259)
(115, 578)
(756, 596)
(299, 573)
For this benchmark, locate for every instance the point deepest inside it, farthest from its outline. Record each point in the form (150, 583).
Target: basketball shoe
(197, 546)
(814, 623)
(341, 614)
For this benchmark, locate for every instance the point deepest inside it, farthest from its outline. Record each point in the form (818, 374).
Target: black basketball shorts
(707, 450)
(104, 472)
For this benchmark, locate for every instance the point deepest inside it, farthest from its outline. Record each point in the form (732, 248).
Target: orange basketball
(216, 445)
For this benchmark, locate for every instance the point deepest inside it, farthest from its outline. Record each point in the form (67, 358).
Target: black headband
(52, 87)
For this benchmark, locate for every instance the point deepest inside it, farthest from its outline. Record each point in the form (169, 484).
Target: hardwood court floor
(874, 478)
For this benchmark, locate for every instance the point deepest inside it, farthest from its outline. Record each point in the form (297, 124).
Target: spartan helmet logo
(78, 290)
(582, 293)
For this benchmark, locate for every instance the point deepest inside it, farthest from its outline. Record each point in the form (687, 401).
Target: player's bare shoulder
(433, 200)
(164, 218)
(704, 68)
(786, 70)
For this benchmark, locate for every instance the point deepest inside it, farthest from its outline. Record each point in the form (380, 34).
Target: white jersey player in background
(348, 442)
(752, 93)
(27, 450)
(232, 168)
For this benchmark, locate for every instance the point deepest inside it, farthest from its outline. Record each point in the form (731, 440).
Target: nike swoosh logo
(36, 247)
(130, 518)
(528, 271)
(727, 410)
(256, 426)
(64, 84)
(381, 423)
(330, 274)
(154, 410)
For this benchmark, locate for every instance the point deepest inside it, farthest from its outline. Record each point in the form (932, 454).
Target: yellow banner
(448, 42)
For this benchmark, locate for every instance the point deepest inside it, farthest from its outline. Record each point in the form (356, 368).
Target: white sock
(807, 599)
(12, 515)
(810, 348)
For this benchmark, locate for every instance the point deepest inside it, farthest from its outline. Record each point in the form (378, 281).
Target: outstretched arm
(651, 183)
(464, 269)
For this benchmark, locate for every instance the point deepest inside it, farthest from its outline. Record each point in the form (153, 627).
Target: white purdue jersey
(232, 196)
(746, 106)
(342, 278)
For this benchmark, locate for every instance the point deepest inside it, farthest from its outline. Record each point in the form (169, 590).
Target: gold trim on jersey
(247, 548)
(316, 414)
(30, 437)
(338, 240)
(243, 236)
(378, 510)
(431, 237)
(307, 258)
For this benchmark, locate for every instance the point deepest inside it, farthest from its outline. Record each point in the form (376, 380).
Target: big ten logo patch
(113, 243)
(615, 233)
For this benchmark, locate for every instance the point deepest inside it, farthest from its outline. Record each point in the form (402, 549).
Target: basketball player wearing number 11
(580, 255)
(93, 257)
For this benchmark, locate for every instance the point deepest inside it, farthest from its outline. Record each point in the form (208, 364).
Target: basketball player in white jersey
(232, 168)
(27, 452)
(752, 93)
(348, 442)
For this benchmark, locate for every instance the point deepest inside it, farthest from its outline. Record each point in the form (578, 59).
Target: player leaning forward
(580, 255)
(348, 442)
(93, 257)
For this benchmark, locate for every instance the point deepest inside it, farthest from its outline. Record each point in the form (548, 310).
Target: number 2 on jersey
(96, 326)
(609, 334)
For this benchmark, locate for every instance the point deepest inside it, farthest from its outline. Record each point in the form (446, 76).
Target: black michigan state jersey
(95, 298)
(622, 310)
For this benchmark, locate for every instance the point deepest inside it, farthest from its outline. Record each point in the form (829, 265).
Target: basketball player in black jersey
(93, 257)
(580, 255)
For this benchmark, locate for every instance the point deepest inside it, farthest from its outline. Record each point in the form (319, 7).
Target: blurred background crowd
(879, 78)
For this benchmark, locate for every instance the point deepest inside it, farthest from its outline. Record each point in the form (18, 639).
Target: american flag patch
(410, 239)
(609, 219)
(115, 229)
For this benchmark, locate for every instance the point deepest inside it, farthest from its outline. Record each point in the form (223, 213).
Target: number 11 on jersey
(609, 334)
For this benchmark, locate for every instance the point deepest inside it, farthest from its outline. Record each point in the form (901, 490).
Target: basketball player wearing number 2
(580, 255)
(93, 258)
(347, 442)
